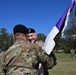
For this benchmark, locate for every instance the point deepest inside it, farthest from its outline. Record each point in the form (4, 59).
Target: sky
(42, 15)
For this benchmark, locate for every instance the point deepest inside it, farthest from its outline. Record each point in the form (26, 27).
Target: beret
(19, 28)
(31, 30)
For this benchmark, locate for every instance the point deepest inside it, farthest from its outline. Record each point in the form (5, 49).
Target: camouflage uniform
(21, 58)
(52, 55)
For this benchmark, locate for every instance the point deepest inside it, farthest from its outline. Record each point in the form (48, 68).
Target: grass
(66, 65)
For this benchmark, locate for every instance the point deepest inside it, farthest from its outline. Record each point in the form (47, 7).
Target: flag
(60, 26)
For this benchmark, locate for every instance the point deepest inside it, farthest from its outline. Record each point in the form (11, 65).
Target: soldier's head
(32, 36)
(20, 32)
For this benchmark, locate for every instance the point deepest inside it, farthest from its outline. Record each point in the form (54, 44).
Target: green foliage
(67, 50)
(41, 37)
(65, 44)
(6, 40)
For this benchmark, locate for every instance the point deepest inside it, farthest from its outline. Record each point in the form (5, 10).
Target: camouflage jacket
(21, 58)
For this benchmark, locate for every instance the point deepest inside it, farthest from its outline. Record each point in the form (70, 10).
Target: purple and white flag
(59, 27)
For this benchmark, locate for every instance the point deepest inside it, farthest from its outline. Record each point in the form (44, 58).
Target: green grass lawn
(66, 65)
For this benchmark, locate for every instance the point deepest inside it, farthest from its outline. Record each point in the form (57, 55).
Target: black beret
(19, 28)
(31, 30)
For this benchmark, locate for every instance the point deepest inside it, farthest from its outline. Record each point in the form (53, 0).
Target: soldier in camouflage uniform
(32, 37)
(22, 57)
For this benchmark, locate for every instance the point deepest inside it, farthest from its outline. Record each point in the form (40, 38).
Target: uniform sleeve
(44, 58)
(54, 57)
(1, 67)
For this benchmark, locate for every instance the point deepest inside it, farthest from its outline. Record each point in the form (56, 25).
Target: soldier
(32, 37)
(22, 57)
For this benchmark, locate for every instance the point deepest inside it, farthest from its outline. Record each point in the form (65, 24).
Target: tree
(41, 37)
(3, 36)
(6, 40)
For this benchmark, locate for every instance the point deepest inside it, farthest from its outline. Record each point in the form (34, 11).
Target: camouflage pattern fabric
(21, 58)
(40, 43)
